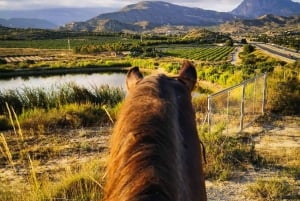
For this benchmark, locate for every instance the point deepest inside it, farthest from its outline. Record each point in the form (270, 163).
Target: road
(281, 52)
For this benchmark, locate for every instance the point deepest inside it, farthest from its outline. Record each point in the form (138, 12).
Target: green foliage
(229, 43)
(284, 96)
(247, 48)
(30, 98)
(172, 67)
(205, 53)
(144, 63)
(69, 106)
(288, 39)
(223, 73)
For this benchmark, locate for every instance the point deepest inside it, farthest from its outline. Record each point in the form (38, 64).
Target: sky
(217, 5)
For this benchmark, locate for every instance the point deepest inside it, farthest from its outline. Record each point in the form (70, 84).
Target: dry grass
(57, 166)
(271, 189)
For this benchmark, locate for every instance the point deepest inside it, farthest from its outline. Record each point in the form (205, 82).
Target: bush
(272, 189)
(225, 154)
(247, 49)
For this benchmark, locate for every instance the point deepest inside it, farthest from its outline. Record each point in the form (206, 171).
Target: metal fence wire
(235, 108)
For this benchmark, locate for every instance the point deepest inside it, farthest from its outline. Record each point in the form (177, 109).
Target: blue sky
(218, 5)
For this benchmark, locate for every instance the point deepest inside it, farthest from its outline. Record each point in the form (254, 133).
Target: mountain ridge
(57, 16)
(144, 13)
(27, 23)
(256, 8)
(150, 15)
(264, 24)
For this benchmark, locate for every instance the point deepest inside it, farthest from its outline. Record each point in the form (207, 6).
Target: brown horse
(155, 151)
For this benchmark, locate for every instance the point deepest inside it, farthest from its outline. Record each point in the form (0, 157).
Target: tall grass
(276, 188)
(55, 97)
(68, 105)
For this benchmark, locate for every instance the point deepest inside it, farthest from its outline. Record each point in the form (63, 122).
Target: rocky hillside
(256, 8)
(263, 24)
(147, 15)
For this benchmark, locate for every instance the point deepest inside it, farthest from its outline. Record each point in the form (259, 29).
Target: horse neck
(146, 160)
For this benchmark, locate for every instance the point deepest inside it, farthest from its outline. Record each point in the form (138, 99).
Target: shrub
(272, 189)
(284, 96)
(224, 154)
(247, 48)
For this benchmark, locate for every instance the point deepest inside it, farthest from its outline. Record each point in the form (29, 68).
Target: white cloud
(29, 4)
(219, 5)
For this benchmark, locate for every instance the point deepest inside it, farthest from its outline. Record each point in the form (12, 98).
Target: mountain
(27, 23)
(58, 16)
(263, 24)
(147, 15)
(256, 8)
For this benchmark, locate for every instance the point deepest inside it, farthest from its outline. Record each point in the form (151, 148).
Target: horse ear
(188, 74)
(133, 76)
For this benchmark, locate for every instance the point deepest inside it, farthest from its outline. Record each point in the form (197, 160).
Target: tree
(229, 42)
(244, 41)
(248, 48)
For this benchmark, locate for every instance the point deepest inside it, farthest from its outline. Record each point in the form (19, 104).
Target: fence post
(227, 121)
(242, 107)
(264, 94)
(209, 113)
(254, 97)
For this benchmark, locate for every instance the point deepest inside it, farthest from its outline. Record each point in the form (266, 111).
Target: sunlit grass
(80, 181)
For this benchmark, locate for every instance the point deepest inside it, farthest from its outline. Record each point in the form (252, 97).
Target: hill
(27, 23)
(57, 16)
(256, 8)
(263, 24)
(147, 15)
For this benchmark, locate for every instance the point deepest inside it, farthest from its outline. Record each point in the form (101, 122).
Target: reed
(4, 148)
(55, 97)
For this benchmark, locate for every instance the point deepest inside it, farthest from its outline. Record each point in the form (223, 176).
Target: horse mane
(146, 157)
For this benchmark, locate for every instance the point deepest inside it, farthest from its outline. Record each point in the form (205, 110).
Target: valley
(54, 139)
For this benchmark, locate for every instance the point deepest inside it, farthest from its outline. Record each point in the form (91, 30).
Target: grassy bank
(66, 106)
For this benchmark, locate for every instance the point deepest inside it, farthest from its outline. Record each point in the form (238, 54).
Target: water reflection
(86, 80)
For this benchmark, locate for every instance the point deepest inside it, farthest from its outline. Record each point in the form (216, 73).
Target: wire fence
(235, 108)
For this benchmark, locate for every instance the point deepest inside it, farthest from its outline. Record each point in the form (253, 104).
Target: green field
(205, 53)
(58, 43)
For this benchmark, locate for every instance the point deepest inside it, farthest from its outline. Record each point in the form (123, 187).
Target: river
(85, 80)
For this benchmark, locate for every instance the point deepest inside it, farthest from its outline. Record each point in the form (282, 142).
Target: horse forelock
(146, 160)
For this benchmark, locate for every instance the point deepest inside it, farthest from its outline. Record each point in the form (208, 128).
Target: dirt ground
(278, 139)
(80, 145)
